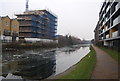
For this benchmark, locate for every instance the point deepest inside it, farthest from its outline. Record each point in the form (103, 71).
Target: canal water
(40, 63)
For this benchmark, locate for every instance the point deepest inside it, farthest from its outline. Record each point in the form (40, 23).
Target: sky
(75, 17)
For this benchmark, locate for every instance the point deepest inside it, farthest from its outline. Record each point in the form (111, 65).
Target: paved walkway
(106, 67)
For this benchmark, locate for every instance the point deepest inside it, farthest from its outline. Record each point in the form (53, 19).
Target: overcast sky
(76, 17)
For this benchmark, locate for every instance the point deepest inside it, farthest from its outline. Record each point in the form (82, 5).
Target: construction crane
(26, 5)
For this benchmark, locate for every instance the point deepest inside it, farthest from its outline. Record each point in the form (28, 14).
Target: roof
(50, 12)
(5, 17)
(37, 12)
(15, 19)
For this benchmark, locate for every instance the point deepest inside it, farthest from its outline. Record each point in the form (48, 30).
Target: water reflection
(31, 66)
(69, 56)
(71, 49)
(39, 64)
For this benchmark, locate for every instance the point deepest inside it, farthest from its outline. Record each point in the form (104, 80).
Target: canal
(40, 63)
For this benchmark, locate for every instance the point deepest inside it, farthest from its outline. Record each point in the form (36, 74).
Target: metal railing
(25, 31)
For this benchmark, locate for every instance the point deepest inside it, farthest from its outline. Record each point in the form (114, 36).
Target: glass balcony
(107, 36)
(116, 21)
(117, 6)
(101, 37)
(115, 34)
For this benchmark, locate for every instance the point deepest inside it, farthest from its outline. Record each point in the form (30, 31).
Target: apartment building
(8, 27)
(109, 23)
(36, 25)
(0, 26)
(0, 32)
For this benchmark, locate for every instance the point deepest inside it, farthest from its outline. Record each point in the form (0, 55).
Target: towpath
(106, 67)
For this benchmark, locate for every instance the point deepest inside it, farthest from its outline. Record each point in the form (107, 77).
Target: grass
(0, 66)
(113, 53)
(84, 68)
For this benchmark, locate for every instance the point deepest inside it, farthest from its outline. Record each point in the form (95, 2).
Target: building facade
(14, 29)
(7, 29)
(5, 26)
(37, 25)
(109, 24)
(0, 26)
(96, 36)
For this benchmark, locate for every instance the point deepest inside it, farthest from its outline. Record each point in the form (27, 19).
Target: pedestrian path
(106, 67)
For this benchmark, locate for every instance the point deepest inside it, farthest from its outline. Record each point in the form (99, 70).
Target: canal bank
(81, 70)
(21, 46)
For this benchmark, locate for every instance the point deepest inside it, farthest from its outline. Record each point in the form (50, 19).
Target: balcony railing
(25, 31)
(28, 18)
(24, 18)
(38, 26)
(24, 35)
(38, 32)
(25, 24)
(20, 18)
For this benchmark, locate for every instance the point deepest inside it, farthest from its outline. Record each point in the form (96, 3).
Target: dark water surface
(40, 63)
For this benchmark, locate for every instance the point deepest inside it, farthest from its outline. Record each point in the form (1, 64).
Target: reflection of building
(109, 24)
(9, 29)
(36, 66)
(37, 25)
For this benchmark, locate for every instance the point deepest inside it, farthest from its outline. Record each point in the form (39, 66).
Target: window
(14, 32)
(7, 23)
(6, 32)
(15, 25)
